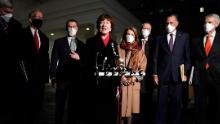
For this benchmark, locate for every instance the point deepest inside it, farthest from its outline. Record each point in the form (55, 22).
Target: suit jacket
(147, 82)
(97, 53)
(36, 61)
(166, 63)
(63, 67)
(10, 50)
(200, 58)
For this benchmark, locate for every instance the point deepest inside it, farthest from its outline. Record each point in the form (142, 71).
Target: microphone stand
(97, 68)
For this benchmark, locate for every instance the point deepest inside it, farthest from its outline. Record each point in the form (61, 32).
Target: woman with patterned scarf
(133, 59)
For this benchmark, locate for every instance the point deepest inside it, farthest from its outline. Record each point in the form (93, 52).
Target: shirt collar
(212, 34)
(70, 38)
(33, 30)
(174, 33)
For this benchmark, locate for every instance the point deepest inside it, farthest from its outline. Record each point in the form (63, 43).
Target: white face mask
(208, 27)
(145, 32)
(129, 38)
(72, 32)
(7, 17)
(170, 28)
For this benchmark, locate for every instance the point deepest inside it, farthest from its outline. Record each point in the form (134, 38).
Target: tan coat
(137, 61)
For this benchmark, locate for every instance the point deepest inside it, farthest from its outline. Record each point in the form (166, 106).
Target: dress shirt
(33, 31)
(174, 37)
(211, 38)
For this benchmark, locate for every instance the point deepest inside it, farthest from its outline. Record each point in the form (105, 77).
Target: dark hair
(103, 17)
(6, 3)
(33, 12)
(173, 14)
(71, 20)
(135, 33)
(142, 25)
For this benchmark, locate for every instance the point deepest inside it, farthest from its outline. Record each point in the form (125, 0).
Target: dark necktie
(171, 42)
(36, 39)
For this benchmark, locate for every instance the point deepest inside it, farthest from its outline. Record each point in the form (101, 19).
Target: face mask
(170, 28)
(145, 32)
(37, 23)
(7, 17)
(129, 38)
(72, 32)
(208, 27)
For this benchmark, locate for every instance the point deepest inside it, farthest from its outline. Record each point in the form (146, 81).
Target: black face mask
(37, 23)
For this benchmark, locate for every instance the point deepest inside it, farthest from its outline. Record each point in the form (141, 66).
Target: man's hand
(75, 56)
(156, 79)
(185, 78)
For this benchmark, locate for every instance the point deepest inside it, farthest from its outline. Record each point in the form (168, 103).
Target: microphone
(115, 53)
(104, 62)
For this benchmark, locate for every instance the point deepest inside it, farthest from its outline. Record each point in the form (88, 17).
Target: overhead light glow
(52, 34)
(201, 9)
(87, 28)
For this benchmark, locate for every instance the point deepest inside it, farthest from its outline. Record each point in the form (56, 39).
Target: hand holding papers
(182, 73)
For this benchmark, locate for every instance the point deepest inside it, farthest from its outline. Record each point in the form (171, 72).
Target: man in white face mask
(148, 44)
(172, 50)
(206, 56)
(67, 63)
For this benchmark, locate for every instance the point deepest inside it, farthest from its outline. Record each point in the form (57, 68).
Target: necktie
(207, 48)
(207, 44)
(72, 45)
(36, 40)
(143, 44)
(171, 42)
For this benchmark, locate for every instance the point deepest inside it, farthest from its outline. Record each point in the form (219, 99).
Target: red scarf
(127, 46)
(106, 40)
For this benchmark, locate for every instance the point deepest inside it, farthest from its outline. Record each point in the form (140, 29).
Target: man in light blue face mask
(11, 74)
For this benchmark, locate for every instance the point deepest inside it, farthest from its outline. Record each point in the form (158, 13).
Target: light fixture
(51, 34)
(87, 28)
(201, 9)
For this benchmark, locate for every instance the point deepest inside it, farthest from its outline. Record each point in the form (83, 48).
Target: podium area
(46, 116)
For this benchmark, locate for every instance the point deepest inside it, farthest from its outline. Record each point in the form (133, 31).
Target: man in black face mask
(37, 62)
(11, 78)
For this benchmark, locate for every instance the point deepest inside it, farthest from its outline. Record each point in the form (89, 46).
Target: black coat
(213, 59)
(10, 50)
(103, 57)
(36, 61)
(67, 68)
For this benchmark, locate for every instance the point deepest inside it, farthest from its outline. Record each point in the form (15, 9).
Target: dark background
(190, 18)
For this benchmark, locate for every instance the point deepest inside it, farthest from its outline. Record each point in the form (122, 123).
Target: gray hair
(6, 3)
(216, 16)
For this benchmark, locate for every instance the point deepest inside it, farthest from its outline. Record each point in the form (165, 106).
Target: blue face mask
(7, 17)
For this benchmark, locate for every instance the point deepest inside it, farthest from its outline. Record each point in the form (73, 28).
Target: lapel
(215, 45)
(165, 43)
(177, 40)
(66, 45)
(201, 47)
